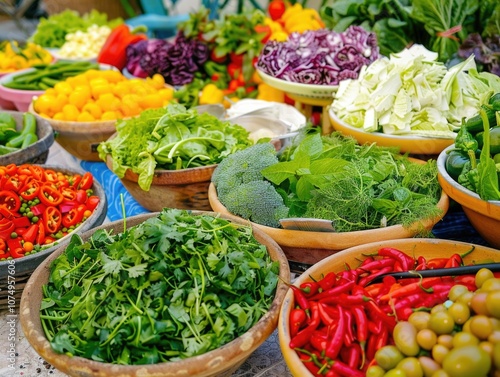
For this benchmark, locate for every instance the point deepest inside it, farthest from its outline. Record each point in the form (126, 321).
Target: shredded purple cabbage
(321, 57)
(177, 60)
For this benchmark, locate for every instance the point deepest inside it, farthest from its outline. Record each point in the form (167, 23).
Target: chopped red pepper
(30, 190)
(15, 248)
(74, 216)
(86, 182)
(31, 233)
(68, 193)
(52, 219)
(50, 196)
(92, 202)
(13, 183)
(21, 222)
(9, 200)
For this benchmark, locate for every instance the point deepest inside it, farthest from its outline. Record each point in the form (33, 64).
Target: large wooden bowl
(219, 362)
(306, 248)
(36, 153)
(429, 248)
(483, 215)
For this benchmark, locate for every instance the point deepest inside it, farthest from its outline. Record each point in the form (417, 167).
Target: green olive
(405, 338)
(438, 308)
(375, 371)
(439, 352)
(426, 339)
(456, 291)
(463, 338)
(460, 312)
(482, 275)
(481, 326)
(493, 303)
(419, 319)
(411, 367)
(441, 323)
(429, 365)
(467, 361)
(388, 357)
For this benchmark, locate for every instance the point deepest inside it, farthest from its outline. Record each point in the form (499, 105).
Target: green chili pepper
(29, 127)
(465, 141)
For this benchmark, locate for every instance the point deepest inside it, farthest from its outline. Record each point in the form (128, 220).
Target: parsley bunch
(172, 287)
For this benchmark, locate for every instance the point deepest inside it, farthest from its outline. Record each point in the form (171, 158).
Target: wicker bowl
(429, 248)
(80, 139)
(223, 361)
(183, 189)
(483, 215)
(36, 153)
(26, 265)
(305, 248)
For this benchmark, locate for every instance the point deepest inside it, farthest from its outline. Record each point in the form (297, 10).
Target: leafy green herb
(172, 287)
(171, 138)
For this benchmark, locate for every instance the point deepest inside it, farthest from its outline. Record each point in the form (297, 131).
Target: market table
(267, 360)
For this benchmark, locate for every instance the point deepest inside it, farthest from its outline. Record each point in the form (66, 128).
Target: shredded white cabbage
(411, 92)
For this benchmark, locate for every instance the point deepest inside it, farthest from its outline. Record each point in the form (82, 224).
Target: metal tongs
(437, 272)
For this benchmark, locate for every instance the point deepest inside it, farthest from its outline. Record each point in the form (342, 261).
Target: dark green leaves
(174, 286)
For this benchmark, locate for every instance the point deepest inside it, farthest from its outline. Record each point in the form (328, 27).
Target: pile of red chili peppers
(339, 321)
(39, 206)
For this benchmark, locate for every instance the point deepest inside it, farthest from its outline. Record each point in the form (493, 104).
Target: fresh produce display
(171, 138)
(475, 160)
(349, 324)
(45, 76)
(319, 57)
(12, 140)
(102, 95)
(175, 286)
(412, 93)
(51, 31)
(329, 177)
(177, 61)
(288, 19)
(39, 205)
(84, 44)
(15, 56)
(441, 26)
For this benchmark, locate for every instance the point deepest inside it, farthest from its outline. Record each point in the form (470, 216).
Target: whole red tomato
(276, 9)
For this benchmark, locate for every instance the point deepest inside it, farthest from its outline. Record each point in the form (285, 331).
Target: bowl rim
(459, 192)
(335, 241)
(291, 359)
(97, 217)
(45, 135)
(247, 341)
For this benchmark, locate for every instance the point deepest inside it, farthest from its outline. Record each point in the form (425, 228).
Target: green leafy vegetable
(175, 286)
(171, 138)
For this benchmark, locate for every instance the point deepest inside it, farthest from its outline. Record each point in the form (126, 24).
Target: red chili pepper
(50, 176)
(86, 182)
(297, 319)
(114, 50)
(92, 202)
(31, 233)
(319, 340)
(9, 201)
(376, 311)
(15, 248)
(50, 196)
(304, 335)
(326, 315)
(337, 340)
(74, 216)
(406, 261)
(308, 362)
(454, 261)
(80, 196)
(375, 325)
(355, 356)
(349, 326)
(424, 285)
(436, 263)
(51, 219)
(68, 193)
(377, 264)
(300, 299)
(309, 288)
(367, 279)
(334, 291)
(30, 190)
(345, 370)
(328, 281)
(361, 329)
(345, 299)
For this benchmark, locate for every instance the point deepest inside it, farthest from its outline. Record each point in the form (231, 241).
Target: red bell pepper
(86, 182)
(114, 50)
(92, 202)
(21, 222)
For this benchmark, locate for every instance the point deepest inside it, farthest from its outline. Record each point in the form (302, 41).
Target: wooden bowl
(483, 215)
(26, 265)
(222, 361)
(429, 248)
(183, 189)
(413, 144)
(80, 139)
(306, 248)
(36, 153)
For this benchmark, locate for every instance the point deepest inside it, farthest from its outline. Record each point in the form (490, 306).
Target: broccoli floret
(243, 166)
(244, 191)
(257, 201)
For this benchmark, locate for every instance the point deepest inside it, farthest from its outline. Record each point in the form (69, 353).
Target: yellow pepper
(211, 95)
(268, 93)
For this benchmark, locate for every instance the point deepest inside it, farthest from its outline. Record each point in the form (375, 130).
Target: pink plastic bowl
(15, 98)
